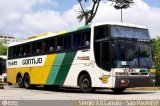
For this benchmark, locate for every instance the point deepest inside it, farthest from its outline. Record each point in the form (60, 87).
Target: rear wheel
(27, 84)
(118, 90)
(85, 84)
(20, 81)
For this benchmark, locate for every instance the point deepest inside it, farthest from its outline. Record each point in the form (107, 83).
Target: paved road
(15, 93)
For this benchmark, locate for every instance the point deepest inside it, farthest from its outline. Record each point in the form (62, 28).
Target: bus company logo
(83, 58)
(4, 103)
(32, 61)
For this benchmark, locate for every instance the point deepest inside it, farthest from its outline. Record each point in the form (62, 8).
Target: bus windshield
(133, 54)
(129, 32)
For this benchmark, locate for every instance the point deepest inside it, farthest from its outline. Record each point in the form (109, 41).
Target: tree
(3, 49)
(86, 14)
(156, 57)
(122, 4)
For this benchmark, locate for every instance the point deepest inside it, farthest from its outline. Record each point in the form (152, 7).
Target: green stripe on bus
(55, 68)
(65, 67)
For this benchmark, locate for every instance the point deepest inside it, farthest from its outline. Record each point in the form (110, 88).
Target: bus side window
(101, 32)
(86, 39)
(10, 53)
(51, 46)
(28, 49)
(33, 50)
(45, 46)
(17, 51)
(14, 52)
(22, 50)
(39, 47)
(67, 42)
(59, 43)
(76, 40)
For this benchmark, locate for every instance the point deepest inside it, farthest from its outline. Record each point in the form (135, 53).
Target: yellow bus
(103, 55)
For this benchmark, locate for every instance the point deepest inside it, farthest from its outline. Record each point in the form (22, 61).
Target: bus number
(12, 63)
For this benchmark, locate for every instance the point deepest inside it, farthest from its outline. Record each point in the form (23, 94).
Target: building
(6, 39)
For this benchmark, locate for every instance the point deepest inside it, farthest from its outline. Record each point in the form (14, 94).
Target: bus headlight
(121, 73)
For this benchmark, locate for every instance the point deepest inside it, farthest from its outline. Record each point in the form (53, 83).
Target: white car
(4, 77)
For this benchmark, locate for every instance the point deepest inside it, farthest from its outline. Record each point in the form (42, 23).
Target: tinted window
(10, 52)
(86, 39)
(39, 48)
(34, 48)
(101, 32)
(52, 46)
(67, 42)
(76, 40)
(59, 43)
(130, 32)
(22, 50)
(28, 49)
(45, 46)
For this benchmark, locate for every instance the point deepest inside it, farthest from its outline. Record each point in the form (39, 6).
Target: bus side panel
(11, 75)
(13, 72)
(60, 68)
(82, 62)
(39, 75)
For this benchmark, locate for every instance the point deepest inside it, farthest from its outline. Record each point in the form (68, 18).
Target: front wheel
(85, 84)
(118, 90)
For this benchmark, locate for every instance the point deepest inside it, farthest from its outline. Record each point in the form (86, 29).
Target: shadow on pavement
(76, 90)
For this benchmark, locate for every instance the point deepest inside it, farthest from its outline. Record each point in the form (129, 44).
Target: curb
(144, 88)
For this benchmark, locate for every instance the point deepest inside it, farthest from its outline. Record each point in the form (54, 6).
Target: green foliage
(86, 14)
(122, 4)
(3, 49)
(156, 57)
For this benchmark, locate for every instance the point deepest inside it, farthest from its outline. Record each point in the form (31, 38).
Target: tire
(27, 84)
(20, 82)
(85, 84)
(118, 90)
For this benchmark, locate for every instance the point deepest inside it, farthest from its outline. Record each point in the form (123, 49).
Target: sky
(25, 18)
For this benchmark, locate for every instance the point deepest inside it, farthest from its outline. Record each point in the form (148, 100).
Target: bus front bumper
(136, 81)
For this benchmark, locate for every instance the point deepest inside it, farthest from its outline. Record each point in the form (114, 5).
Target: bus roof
(50, 34)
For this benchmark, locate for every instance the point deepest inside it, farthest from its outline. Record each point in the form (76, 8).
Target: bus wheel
(27, 84)
(85, 83)
(20, 81)
(118, 90)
